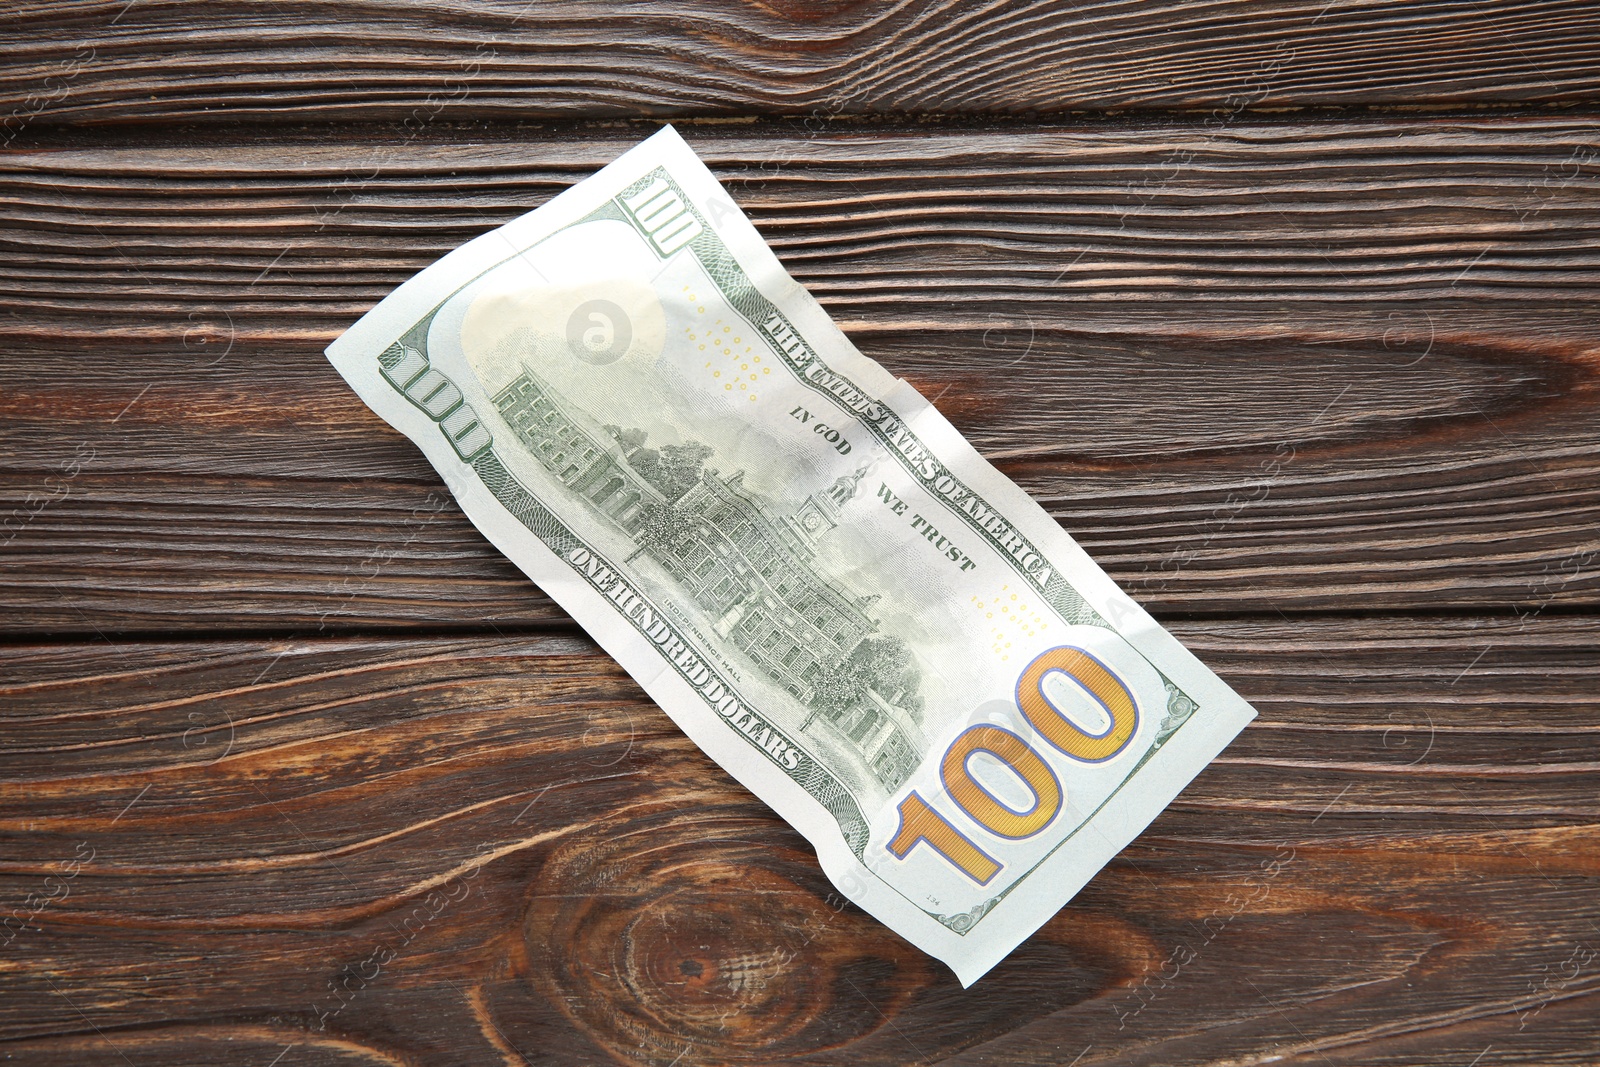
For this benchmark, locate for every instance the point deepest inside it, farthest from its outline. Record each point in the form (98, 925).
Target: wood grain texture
(1262, 226)
(260, 495)
(1285, 311)
(1289, 367)
(488, 850)
(97, 62)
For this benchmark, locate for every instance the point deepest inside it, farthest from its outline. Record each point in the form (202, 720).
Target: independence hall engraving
(749, 567)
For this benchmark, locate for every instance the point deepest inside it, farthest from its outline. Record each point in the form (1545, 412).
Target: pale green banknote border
(723, 269)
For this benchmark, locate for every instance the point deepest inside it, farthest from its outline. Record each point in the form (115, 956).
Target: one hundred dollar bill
(797, 557)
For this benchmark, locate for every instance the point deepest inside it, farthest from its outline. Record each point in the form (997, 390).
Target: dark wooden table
(1287, 311)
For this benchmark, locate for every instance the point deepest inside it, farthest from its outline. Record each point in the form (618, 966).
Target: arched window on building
(608, 490)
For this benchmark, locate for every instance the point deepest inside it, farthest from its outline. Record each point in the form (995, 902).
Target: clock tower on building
(820, 511)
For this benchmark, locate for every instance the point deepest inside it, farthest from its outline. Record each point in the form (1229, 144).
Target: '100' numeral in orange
(920, 823)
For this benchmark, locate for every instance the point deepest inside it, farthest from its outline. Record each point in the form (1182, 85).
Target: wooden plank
(260, 494)
(459, 851)
(1266, 229)
(301, 60)
(1298, 367)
